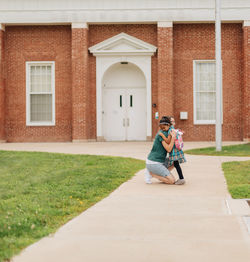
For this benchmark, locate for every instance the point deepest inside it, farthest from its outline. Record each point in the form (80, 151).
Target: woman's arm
(166, 139)
(169, 147)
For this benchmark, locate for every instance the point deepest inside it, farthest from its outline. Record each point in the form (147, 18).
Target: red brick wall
(197, 42)
(2, 85)
(80, 85)
(53, 43)
(98, 33)
(246, 85)
(37, 43)
(165, 71)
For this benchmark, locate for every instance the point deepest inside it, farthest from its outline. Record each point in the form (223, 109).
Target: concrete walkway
(150, 223)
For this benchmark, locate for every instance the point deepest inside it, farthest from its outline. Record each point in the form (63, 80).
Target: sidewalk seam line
(228, 207)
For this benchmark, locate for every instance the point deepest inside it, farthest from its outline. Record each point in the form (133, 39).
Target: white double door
(124, 114)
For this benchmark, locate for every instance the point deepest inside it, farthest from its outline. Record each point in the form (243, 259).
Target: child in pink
(176, 156)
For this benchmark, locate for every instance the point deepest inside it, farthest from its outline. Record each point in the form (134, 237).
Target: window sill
(41, 124)
(204, 122)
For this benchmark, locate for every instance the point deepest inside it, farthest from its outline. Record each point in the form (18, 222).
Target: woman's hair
(165, 120)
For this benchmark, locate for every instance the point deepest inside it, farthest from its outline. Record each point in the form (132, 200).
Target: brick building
(102, 69)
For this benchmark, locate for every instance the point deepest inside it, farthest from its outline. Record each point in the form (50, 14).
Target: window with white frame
(40, 93)
(204, 92)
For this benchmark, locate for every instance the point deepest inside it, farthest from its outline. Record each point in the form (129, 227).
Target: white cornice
(79, 25)
(123, 44)
(120, 11)
(122, 16)
(116, 4)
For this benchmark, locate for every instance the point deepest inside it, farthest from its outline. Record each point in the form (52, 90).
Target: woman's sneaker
(180, 182)
(148, 177)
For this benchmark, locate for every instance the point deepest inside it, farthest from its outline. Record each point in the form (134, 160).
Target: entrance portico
(134, 54)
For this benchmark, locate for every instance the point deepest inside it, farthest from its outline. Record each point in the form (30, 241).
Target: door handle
(123, 121)
(127, 121)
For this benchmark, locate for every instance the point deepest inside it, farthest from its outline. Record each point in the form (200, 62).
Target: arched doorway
(124, 103)
(111, 54)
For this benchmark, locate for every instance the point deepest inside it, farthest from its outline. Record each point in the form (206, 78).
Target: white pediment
(123, 44)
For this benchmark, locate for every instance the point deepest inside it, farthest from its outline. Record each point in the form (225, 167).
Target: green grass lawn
(236, 150)
(39, 192)
(238, 178)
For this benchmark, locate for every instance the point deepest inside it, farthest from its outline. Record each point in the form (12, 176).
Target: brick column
(2, 85)
(246, 81)
(80, 84)
(165, 68)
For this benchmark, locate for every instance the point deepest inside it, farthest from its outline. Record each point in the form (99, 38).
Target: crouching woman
(157, 156)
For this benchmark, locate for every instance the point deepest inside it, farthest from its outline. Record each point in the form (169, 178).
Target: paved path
(150, 223)
(127, 149)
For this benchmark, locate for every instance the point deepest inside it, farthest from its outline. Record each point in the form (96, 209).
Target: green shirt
(158, 152)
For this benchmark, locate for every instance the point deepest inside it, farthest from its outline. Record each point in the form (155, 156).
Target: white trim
(106, 57)
(28, 64)
(102, 65)
(195, 121)
(2, 27)
(142, 48)
(79, 25)
(122, 11)
(119, 53)
(165, 24)
(246, 23)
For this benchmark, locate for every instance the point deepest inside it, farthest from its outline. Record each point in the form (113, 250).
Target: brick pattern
(76, 77)
(246, 83)
(80, 85)
(37, 43)
(197, 42)
(2, 87)
(165, 71)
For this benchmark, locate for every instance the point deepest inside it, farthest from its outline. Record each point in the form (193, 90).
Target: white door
(114, 114)
(124, 114)
(136, 114)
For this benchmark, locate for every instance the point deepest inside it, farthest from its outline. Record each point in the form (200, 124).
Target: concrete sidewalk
(142, 223)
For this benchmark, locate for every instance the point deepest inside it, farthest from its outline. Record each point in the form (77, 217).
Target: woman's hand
(169, 146)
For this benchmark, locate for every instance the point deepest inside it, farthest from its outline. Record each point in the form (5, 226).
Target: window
(40, 93)
(204, 92)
